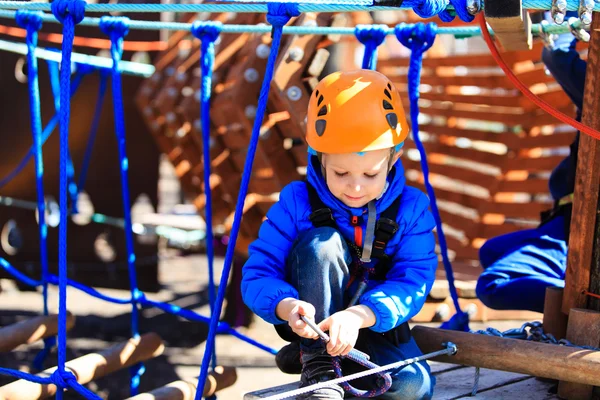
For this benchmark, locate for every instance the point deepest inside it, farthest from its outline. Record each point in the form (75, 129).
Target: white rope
(450, 350)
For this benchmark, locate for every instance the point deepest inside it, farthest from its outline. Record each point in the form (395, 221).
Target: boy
(353, 224)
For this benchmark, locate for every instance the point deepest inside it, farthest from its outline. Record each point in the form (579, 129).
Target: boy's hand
(343, 327)
(291, 309)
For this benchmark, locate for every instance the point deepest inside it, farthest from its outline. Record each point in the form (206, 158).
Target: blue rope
(117, 28)
(93, 131)
(279, 14)
(69, 12)
(32, 22)
(207, 32)
(372, 36)
(418, 39)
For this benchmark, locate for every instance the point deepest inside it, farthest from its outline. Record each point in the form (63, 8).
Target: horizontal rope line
(258, 8)
(461, 31)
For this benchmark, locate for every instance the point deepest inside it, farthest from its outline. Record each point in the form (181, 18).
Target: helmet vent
(322, 111)
(320, 125)
(387, 93)
(387, 105)
(320, 100)
(392, 119)
(317, 93)
(389, 86)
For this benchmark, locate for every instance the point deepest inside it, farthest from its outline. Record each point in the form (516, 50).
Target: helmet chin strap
(370, 236)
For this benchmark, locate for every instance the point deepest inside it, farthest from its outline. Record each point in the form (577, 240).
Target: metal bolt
(586, 7)
(251, 75)
(294, 93)
(310, 23)
(198, 125)
(473, 6)
(182, 76)
(263, 50)
(296, 54)
(559, 9)
(170, 117)
(170, 71)
(197, 95)
(187, 91)
(250, 111)
(171, 92)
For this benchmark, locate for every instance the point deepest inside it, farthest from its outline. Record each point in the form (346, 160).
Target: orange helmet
(355, 111)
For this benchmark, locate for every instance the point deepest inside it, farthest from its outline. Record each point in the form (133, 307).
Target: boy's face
(357, 179)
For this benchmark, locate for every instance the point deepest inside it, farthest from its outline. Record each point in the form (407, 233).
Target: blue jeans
(319, 268)
(519, 266)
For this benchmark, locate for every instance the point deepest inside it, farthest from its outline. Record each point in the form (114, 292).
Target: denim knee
(413, 382)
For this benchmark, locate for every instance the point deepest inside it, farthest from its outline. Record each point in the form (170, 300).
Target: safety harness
(385, 228)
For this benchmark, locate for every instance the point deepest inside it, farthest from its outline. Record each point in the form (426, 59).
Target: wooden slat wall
(488, 159)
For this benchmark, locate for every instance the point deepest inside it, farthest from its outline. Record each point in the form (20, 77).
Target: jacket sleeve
(264, 274)
(402, 295)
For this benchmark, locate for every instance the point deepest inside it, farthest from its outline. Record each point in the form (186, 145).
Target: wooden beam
(587, 182)
(89, 367)
(31, 330)
(583, 330)
(555, 321)
(514, 355)
(217, 379)
(511, 24)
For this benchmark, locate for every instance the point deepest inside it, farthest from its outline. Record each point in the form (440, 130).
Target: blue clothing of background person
(519, 266)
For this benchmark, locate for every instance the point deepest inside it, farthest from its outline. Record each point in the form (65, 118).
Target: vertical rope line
(207, 32)
(32, 21)
(419, 39)
(279, 14)
(117, 28)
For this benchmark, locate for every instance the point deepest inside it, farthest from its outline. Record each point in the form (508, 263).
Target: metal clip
(586, 7)
(578, 30)
(559, 9)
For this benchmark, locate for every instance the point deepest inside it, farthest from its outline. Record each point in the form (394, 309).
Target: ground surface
(100, 324)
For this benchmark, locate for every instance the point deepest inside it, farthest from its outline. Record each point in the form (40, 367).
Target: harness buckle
(387, 227)
(322, 217)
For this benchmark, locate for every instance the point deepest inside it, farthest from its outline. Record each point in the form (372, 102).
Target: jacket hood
(395, 185)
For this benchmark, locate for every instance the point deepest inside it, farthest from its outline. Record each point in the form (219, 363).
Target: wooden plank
(507, 138)
(547, 141)
(530, 388)
(527, 186)
(487, 115)
(489, 100)
(459, 383)
(585, 204)
(469, 154)
(466, 60)
(534, 164)
(462, 174)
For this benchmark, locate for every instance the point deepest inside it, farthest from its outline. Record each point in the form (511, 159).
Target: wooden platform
(456, 382)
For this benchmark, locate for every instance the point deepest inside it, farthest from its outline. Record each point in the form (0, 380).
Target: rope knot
(430, 8)
(65, 380)
(60, 9)
(418, 37)
(206, 30)
(138, 295)
(371, 35)
(30, 20)
(460, 6)
(115, 27)
(280, 14)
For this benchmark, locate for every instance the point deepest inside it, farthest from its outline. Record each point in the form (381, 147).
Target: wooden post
(511, 23)
(513, 355)
(555, 321)
(580, 275)
(584, 330)
(218, 379)
(89, 367)
(31, 330)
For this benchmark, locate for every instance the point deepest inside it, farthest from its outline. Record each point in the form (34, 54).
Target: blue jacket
(412, 251)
